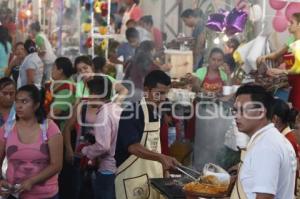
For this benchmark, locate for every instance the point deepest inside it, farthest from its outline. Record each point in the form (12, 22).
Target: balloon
(216, 21)
(255, 13)
(22, 14)
(86, 27)
(235, 21)
(104, 9)
(88, 42)
(279, 22)
(291, 9)
(277, 4)
(102, 30)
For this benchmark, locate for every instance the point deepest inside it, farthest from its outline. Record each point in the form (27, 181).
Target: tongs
(179, 168)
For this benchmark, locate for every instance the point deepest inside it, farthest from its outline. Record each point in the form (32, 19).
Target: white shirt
(269, 165)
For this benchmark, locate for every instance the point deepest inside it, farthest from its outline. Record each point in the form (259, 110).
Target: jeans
(104, 186)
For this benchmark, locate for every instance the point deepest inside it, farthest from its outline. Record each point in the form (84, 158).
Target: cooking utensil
(185, 173)
(192, 170)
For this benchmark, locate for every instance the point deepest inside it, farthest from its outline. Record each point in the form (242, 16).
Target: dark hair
(217, 51)
(257, 94)
(19, 44)
(98, 63)
(147, 19)
(6, 81)
(132, 33)
(30, 46)
(35, 26)
(130, 21)
(282, 110)
(297, 16)
(98, 85)
(157, 77)
(143, 57)
(35, 94)
(137, 2)
(4, 38)
(66, 65)
(233, 43)
(191, 13)
(82, 59)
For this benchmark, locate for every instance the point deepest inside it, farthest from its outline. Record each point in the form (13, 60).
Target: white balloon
(255, 13)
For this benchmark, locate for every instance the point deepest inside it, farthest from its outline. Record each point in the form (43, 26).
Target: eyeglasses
(244, 111)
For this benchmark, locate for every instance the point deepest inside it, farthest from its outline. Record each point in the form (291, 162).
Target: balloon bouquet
(280, 20)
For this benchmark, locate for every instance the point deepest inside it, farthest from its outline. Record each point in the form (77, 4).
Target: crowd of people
(69, 130)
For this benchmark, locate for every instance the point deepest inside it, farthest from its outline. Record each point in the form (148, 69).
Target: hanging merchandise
(255, 13)
(235, 21)
(280, 24)
(230, 23)
(277, 4)
(293, 7)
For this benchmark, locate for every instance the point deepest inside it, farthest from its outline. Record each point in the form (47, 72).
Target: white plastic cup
(227, 90)
(242, 140)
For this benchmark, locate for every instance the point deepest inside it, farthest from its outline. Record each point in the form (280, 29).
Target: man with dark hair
(138, 151)
(268, 166)
(194, 20)
(127, 49)
(105, 133)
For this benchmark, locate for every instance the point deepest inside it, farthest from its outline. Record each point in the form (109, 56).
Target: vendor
(213, 77)
(193, 19)
(294, 71)
(138, 150)
(268, 166)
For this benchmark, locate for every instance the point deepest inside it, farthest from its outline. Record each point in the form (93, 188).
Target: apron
(132, 177)
(126, 17)
(238, 191)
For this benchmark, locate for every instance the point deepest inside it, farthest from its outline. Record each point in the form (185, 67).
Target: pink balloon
(280, 24)
(291, 9)
(277, 4)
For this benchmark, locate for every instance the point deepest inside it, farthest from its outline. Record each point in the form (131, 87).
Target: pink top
(27, 160)
(158, 40)
(105, 131)
(136, 13)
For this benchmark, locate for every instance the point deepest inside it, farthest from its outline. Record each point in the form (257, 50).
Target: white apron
(132, 177)
(238, 190)
(125, 18)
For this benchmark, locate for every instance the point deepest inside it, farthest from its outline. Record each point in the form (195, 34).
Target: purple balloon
(216, 21)
(235, 22)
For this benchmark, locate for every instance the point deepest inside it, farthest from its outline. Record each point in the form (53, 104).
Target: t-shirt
(269, 165)
(131, 129)
(106, 130)
(31, 61)
(27, 160)
(199, 28)
(43, 42)
(4, 56)
(157, 36)
(82, 90)
(125, 50)
(136, 13)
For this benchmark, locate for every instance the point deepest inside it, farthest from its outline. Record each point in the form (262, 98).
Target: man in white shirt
(268, 167)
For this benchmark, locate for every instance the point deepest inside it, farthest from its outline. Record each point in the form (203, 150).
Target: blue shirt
(4, 56)
(125, 50)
